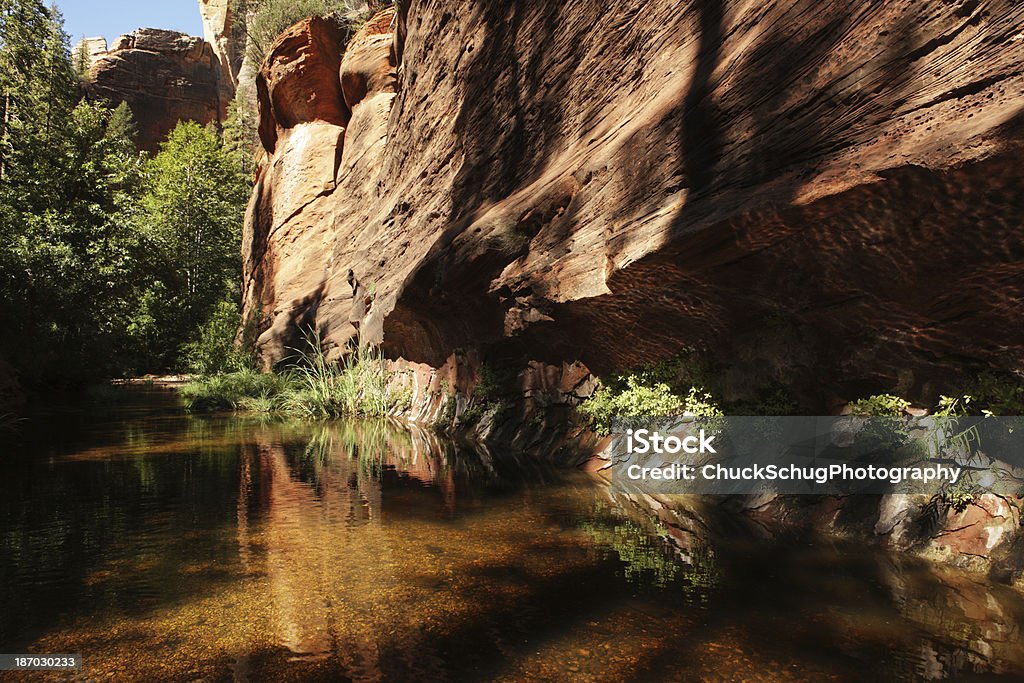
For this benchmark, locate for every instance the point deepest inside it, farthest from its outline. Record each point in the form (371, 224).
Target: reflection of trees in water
(649, 556)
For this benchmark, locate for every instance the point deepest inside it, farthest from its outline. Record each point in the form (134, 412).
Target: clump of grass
(360, 385)
(235, 390)
(311, 387)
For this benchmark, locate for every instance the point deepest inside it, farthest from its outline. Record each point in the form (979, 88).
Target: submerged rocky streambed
(167, 546)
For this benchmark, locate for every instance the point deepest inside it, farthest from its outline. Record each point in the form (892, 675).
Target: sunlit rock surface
(826, 196)
(164, 76)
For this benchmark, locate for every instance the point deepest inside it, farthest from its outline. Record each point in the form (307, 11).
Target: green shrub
(959, 495)
(631, 397)
(775, 400)
(267, 19)
(998, 394)
(214, 350)
(880, 405)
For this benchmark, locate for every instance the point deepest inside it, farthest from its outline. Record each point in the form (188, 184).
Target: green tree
(109, 263)
(267, 19)
(193, 207)
(74, 257)
(241, 138)
(68, 170)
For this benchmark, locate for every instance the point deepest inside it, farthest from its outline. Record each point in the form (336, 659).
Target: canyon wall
(164, 76)
(823, 195)
(221, 31)
(818, 195)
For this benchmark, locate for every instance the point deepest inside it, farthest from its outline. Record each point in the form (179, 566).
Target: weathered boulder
(824, 195)
(978, 530)
(165, 77)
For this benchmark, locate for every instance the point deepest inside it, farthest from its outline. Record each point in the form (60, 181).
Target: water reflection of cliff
(366, 552)
(310, 519)
(380, 552)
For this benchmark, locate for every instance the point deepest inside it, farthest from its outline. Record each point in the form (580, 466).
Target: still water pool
(163, 546)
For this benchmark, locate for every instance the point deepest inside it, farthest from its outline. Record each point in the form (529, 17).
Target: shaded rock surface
(827, 196)
(11, 396)
(823, 196)
(164, 76)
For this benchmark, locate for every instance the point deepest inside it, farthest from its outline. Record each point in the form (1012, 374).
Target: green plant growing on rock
(490, 394)
(265, 20)
(996, 394)
(775, 400)
(672, 387)
(959, 495)
(879, 405)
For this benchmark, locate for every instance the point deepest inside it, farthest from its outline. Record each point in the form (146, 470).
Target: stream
(166, 546)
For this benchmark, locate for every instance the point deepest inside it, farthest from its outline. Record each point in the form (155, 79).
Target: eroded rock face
(824, 195)
(219, 23)
(165, 77)
(321, 141)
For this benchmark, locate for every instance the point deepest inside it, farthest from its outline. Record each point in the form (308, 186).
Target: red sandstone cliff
(164, 76)
(825, 195)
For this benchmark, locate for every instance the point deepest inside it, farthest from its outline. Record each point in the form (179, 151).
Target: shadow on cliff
(824, 290)
(509, 123)
(787, 289)
(509, 128)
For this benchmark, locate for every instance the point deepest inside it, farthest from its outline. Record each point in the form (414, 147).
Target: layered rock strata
(823, 196)
(164, 76)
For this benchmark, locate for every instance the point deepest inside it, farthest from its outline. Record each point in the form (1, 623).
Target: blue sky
(112, 18)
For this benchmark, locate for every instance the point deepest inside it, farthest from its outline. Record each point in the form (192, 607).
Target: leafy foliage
(267, 19)
(999, 394)
(192, 224)
(880, 405)
(241, 130)
(662, 389)
(215, 350)
(109, 262)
